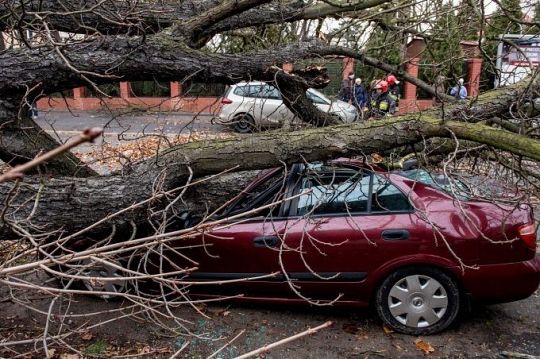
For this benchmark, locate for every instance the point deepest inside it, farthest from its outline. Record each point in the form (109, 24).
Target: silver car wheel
(417, 301)
(101, 278)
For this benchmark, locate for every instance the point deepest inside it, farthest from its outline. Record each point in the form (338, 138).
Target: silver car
(252, 105)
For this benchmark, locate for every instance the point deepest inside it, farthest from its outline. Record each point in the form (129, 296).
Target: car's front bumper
(507, 282)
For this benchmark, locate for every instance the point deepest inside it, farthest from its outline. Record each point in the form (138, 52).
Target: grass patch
(97, 348)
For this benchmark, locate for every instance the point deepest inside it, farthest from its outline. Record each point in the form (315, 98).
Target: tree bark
(107, 17)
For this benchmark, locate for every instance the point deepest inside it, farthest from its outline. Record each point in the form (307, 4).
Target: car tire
(418, 301)
(243, 123)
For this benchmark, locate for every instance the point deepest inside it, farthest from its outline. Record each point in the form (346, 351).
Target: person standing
(346, 91)
(459, 91)
(360, 95)
(439, 90)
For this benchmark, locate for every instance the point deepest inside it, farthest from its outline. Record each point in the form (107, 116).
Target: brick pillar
(474, 68)
(176, 89)
(124, 90)
(78, 97)
(288, 67)
(411, 68)
(348, 67)
(175, 102)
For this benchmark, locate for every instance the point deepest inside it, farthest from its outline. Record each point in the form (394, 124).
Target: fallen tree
(63, 202)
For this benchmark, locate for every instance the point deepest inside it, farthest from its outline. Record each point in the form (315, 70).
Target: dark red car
(351, 235)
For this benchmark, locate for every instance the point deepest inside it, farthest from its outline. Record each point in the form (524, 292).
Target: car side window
(387, 197)
(249, 91)
(258, 91)
(332, 193)
(255, 91)
(270, 92)
(264, 193)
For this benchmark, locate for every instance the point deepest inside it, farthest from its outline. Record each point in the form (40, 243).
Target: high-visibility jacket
(384, 103)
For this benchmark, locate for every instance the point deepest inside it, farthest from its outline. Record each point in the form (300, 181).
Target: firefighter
(394, 89)
(382, 103)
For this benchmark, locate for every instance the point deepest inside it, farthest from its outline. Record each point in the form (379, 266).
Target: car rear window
(452, 186)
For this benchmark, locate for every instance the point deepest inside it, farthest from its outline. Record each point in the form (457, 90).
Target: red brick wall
(413, 105)
(184, 104)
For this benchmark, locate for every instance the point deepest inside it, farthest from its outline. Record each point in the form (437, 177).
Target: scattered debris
(128, 151)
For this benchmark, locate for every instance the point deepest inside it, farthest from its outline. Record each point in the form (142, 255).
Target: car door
(240, 252)
(344, 226)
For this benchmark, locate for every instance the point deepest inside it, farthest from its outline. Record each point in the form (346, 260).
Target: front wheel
(418, 301)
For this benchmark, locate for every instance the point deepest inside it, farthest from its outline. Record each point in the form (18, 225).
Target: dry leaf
(387, 330)
(376, 158)
(87, 336)
(423, 346)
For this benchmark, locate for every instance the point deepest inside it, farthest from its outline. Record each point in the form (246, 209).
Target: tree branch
(292, 11)
(196, 25)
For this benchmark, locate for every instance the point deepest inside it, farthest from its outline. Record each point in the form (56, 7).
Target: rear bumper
(499, 283)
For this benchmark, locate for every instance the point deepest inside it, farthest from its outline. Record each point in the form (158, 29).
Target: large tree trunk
(72, 204)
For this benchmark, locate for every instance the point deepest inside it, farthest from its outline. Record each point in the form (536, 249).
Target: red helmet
(391, 79)
(383, 85)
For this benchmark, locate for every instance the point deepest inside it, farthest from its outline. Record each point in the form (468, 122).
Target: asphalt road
(126, 124)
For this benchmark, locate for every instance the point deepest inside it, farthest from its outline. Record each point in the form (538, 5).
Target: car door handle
(395, 234)
(266, 241)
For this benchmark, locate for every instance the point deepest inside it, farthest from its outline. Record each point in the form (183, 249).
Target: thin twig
(284, 341)
(87, 135)
(227, 344)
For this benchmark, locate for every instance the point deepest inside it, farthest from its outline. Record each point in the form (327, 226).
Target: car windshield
(452, 186)
(317, 97)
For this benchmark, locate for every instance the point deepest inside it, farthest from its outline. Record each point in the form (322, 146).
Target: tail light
(527, 233)
(225, 101)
